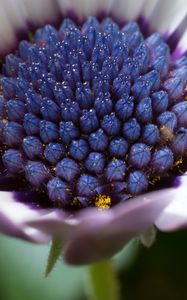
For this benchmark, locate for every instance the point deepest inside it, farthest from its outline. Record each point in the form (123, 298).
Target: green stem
(102, 283)
(54, 254)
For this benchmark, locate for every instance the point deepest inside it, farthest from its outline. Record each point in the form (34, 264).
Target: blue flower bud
(2, 125)
(98, 140)
(160, 101)
(22, 87)
(118, 147)
(62, 91)
(124, 108)
(180, 110)
(137, 183)
(103, 106)
(79, 149)
(36, 173)
(58, 191)
(31, 124)
(84, 96)
(48, 131)
(130, 28)
(111, 68)
(140, 155)
(167, 119)
(161, 65)
(24, 47)
(2, 108)
(50, 110)
(144, 110)
(68, 132)
(15, 110)
(145, 84)
(179, 142)
(12, 65)
(33, 102)
(115, 170)
(95, 162)
(32, 147)
(9, 87)
(70, 111)
(121, 85)
(86, 185)
(13, 160)
(67, 169)
(54, 152)
(13, 133)
(162, 160)
(131, 129)
(174, 87)
(89, 121)
(151, 134)
(109, 26)
(110, 124)
(43, 35)
(141, 53)
(66, 25)
(91, 22)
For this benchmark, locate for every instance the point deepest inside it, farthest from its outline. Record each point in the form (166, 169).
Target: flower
(84, 131)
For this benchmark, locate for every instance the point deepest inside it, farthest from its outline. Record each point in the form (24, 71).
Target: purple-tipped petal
(106, 232)
(97, 234)
(174, 216)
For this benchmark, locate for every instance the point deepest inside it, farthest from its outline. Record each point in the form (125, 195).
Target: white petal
(16, 14)
(148, 8)
(166, 15)
(174, 216)
(127, 9)
(84, 8)
(7, 34)
(40, 11)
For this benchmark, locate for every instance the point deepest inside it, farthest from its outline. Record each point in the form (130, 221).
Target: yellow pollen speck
(167, 133)
(153, 181)
(3, 120)
(103, 201)
(74, 201)
(178, 162)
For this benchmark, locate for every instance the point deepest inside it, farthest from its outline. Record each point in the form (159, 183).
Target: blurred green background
(144, 274)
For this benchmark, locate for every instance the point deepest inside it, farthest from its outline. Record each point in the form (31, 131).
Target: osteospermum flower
(93, 122)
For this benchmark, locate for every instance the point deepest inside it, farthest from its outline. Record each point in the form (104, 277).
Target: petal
(15, 15)
(13, 216)
(174, 216)
(127, 9)
(7, 35)
(165, 16)
(108, 233)
(83, 9)
(41, 11)
(181, 47)
(97, 234)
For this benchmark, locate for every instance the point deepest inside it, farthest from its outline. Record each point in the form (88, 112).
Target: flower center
(93, 115)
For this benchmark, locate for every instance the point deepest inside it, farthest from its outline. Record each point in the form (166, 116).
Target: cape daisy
(93, 122)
